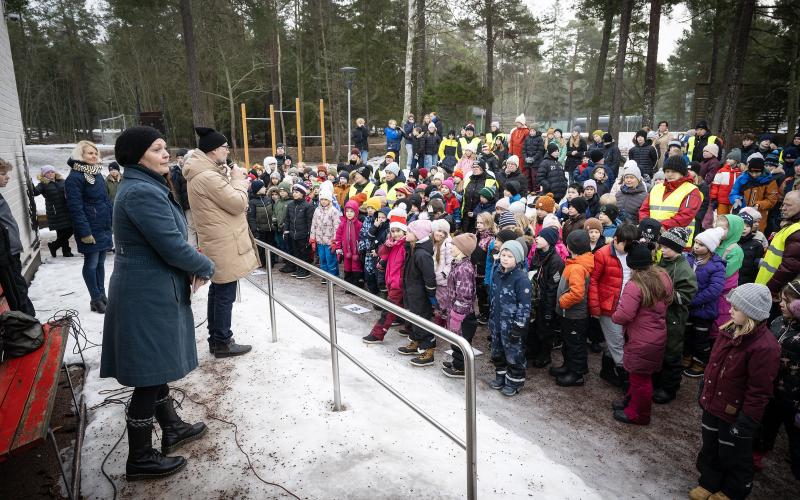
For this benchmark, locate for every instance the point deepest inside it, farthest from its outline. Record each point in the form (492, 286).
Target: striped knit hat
(397, 219)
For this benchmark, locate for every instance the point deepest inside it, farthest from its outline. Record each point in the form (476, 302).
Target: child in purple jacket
(459, 299)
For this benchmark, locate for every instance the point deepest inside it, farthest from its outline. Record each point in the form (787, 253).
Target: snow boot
(104, 299)
(558, 371)
(609, 371)
(696, 370)
(412, 349)
(662, 397)
(424, 359)
(499, 381)
(174, 431)
(145, 462)
(621, 416)
(620, 404)
(686, 361)
(371, 339)
(52, 248)
(571, 379)
(699, 493)
(229, 349)
(98, 306)
(509, 391)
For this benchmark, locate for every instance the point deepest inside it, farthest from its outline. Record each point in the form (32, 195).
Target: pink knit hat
(421, 228)
(450, 184)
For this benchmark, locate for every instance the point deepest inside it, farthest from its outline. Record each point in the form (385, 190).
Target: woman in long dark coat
(51, 186)
(148, 336)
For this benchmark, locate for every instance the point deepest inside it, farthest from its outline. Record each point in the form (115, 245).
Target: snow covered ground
(280, 397)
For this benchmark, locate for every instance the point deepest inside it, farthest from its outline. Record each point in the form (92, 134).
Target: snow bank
(280, 396)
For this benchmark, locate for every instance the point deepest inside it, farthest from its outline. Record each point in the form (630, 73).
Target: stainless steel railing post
(337, 390)
(271, 293)
(472, 430)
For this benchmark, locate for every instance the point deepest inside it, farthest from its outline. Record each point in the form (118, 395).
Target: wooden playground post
(246, 141)
(299, 131)
(322, 128)
(272, 127)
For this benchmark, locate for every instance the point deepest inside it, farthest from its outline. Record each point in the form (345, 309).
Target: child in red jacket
(722, 184)
(642, 311)
(346, 244)
(391, 256)
(738, 385)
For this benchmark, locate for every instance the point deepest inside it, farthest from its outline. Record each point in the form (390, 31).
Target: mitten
(454, 321)
(744, 427)
(434, 302)
(89, 240)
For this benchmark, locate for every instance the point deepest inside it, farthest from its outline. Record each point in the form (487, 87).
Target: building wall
(12, 143)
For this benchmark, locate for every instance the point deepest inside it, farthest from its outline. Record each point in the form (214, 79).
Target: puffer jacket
(324, 224)
(573, 288)
(787, 383)
(430, 143)
(55, 202)
(279, 211)
(630, 200)
(684, 288)
(689, 206)
(550, 177)
(441, 266)
(612, 158)
(510, 300)
(219, 208)
(573, 160)
(299, 216)
(605, 284)
(419, 278)
(645, 329)
(710, 283)
(346, 239)
(730, 252)
(259, 214)
(645, 157)
(393, 254)
(459, 291)
(740, 375)
(753, 251)
(722, 184)
(90, 210)
(762, 191)
(394, 137)
(361, 138)
(548, 267)
(709, 168)
(533, 150)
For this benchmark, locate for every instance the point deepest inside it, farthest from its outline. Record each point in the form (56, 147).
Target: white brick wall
(12, 142)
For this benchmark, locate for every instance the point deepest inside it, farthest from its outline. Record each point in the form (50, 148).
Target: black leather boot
(145, 462)
(174, 431)
(609, 371)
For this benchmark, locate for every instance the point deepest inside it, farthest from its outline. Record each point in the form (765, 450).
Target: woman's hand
(89, 240)
(197, 283)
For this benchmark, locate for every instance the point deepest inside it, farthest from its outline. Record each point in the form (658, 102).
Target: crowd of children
(614, 260)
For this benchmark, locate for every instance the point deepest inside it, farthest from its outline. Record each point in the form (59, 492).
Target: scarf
(89, 171)
(147, 171)
(484, 238)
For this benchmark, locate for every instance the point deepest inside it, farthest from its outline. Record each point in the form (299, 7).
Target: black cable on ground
(82, 341)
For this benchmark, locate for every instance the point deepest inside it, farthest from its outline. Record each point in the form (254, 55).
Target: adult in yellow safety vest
(674, 202)
(469, 138)
(701, 138)
(361, 183)
(781, 263)
(391, 182)
(493, 133)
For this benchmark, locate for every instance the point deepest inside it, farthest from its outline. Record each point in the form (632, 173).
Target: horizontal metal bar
(277, 111)
(312, 136)
(258, 119)
(419, 411)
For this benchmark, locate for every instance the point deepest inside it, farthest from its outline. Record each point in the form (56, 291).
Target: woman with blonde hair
(361, 139)
(394, 137)
(90, 211)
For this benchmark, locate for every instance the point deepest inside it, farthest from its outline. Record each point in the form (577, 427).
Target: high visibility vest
(490, 138)
(369, 188)
(475, 141)
(391, 193)
(772, 259)
(712, 139)
(663, 209)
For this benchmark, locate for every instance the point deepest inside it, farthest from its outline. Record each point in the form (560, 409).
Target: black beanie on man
(677, 164)
(133, 143)
(210, 139)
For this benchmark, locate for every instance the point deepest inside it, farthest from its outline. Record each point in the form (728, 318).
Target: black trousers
(143, 401)
(540, 337)
(62, 240)
(483, 297)
(696, 342)
(725, 461)
(468, 327)
(576, 352)
(15, 288)
(779, 414)
(302, 250)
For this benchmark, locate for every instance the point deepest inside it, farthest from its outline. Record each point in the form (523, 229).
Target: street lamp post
(349, 73)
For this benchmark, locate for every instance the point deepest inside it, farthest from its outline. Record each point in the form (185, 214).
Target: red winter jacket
(722, 184)
(740, 374)
(346, 239)
(605, 284)
(645, 329)
(689, 206)
(452, 204)
(394, 253)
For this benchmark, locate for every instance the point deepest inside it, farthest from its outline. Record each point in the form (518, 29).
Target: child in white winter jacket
(442, 259)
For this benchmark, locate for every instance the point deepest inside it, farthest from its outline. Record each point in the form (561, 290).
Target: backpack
(20, 334)
(533, 278)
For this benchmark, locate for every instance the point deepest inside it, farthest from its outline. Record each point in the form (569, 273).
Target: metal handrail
(468, 444)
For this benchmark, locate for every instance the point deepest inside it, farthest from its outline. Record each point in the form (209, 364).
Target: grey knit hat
(753, 299)
(515, 248)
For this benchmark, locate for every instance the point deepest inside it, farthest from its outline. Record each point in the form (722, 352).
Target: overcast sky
(670, 30)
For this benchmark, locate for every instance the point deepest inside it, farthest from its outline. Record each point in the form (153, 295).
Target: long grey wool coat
(148, 336)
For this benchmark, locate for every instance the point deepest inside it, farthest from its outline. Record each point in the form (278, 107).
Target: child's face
(297, 195)
(707, 154)
(484, 200)
(588, 192)
(604, 219)
(507, 193)
(753, 173)
(541, 214)
(631, 181)
(619, 246)
(747, 230)
(275, 197)
(700, 249)
(785, 312)
(571, 193)
(370, 211)
(456, 253)
(331, 177)
(324, 202)
(350, 213)
(739, 318)
(446, 191)
(672, 175)
(411, 237)
(283, 194)
(600, 175)
(668, 253)
(571, 211)
(746, 142)
(437, 182)
(479, 225)
(541, 244)
(594, 235)
(439, 236)
(507, 260)
(722, 222)
(397, 234)
(381, 218)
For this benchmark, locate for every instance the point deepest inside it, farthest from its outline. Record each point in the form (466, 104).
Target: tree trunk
(649, 104)
(793, 90)
(716, 31)
(200, 115)
(571, 87)
(600, 72)
(732, 84)
(407, 81)
(617, 86)
(365, 61)
(420, 59)
(487, 119)
(725, 113)
(298, 48)
(231, 109)
(329, 87)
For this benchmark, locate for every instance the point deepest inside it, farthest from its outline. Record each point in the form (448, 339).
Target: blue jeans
(409, 154)
(430, 161)
(220, 308)
(327, 260)
(94, 273)
(364, 156)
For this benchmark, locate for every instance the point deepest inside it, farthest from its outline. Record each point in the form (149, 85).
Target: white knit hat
(513, 159)
(631, 168)
(521, 119)
(440, 225)
(711, 238)
(518, 207)
(326, 191)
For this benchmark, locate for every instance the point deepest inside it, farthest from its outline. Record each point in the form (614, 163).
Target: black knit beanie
(133, 143)
(639, 256)
(677, 164)
(210, 139)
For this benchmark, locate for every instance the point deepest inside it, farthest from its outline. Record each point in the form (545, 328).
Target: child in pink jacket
(346, 243)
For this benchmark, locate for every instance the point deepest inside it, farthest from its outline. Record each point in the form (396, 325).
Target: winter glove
(744, 427)
(313, 244)
(454, 321)
(89, 240)
(434, 302)
(529, 159)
